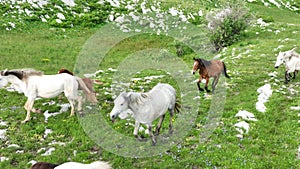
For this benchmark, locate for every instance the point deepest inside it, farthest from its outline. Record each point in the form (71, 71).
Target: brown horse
(208, 69)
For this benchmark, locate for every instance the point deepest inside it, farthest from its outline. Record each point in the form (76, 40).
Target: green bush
(228, 33)
(226, 25)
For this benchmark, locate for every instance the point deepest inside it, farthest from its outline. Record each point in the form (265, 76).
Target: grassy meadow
(272, 140)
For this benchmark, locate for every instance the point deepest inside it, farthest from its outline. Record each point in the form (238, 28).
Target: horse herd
(146, 107)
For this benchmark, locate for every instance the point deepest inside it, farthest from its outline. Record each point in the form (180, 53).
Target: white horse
(147, 107)
(291, 59)
(35, 84)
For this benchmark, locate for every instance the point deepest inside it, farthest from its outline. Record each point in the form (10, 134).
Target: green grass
(272, 141)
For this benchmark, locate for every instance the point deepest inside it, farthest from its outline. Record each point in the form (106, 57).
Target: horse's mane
(203, 62)
(63, 70)
(139, 98)
(22, 73)
(44, 165)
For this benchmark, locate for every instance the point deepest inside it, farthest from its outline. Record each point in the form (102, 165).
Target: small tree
(227, 24)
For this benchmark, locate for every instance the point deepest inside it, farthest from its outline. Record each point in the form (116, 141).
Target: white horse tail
(89, 94)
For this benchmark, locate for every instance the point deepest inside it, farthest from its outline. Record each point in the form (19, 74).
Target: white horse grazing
(147, 107)
(35, 84)
(75, 165)
(291, 59)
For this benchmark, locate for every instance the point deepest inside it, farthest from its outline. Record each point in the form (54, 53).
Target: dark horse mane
(203, 62)
(63, 70)
(21, 73)
(43, 165)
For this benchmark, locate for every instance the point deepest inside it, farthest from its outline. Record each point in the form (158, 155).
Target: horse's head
(120, 105)
(280, 58)
(3, 80)
(2, 72)
(195, 66)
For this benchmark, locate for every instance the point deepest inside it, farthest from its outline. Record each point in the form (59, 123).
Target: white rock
(13, 145)
(48, 152)
(3, 159)
(242, 125)
(3, 134)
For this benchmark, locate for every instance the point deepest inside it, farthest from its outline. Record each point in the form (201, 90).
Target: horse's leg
(34, 110)
(136, 130)
(80, 100)
(214, 83)
(198, 84)
(162, 117)
(72, 96)
(28, 107)
(295, 74)
(206, 84)
(171, 118)
(151, 135)
(72, 104)
(286, 77)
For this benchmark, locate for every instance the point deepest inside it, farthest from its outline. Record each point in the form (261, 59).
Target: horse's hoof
(153, 143)
(39, 111)
(24, 121)
(140, 138)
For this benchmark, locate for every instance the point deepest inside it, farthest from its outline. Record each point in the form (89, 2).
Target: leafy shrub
(226, 25)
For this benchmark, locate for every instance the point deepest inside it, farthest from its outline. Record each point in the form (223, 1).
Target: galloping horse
(35, 84)
(291, 60)
(208, 69)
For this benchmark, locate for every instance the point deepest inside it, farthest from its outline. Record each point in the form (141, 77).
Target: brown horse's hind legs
(214, 83)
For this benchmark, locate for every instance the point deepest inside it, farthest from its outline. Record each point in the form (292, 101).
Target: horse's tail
(89, 94)
(177, 105)
(225, 72)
